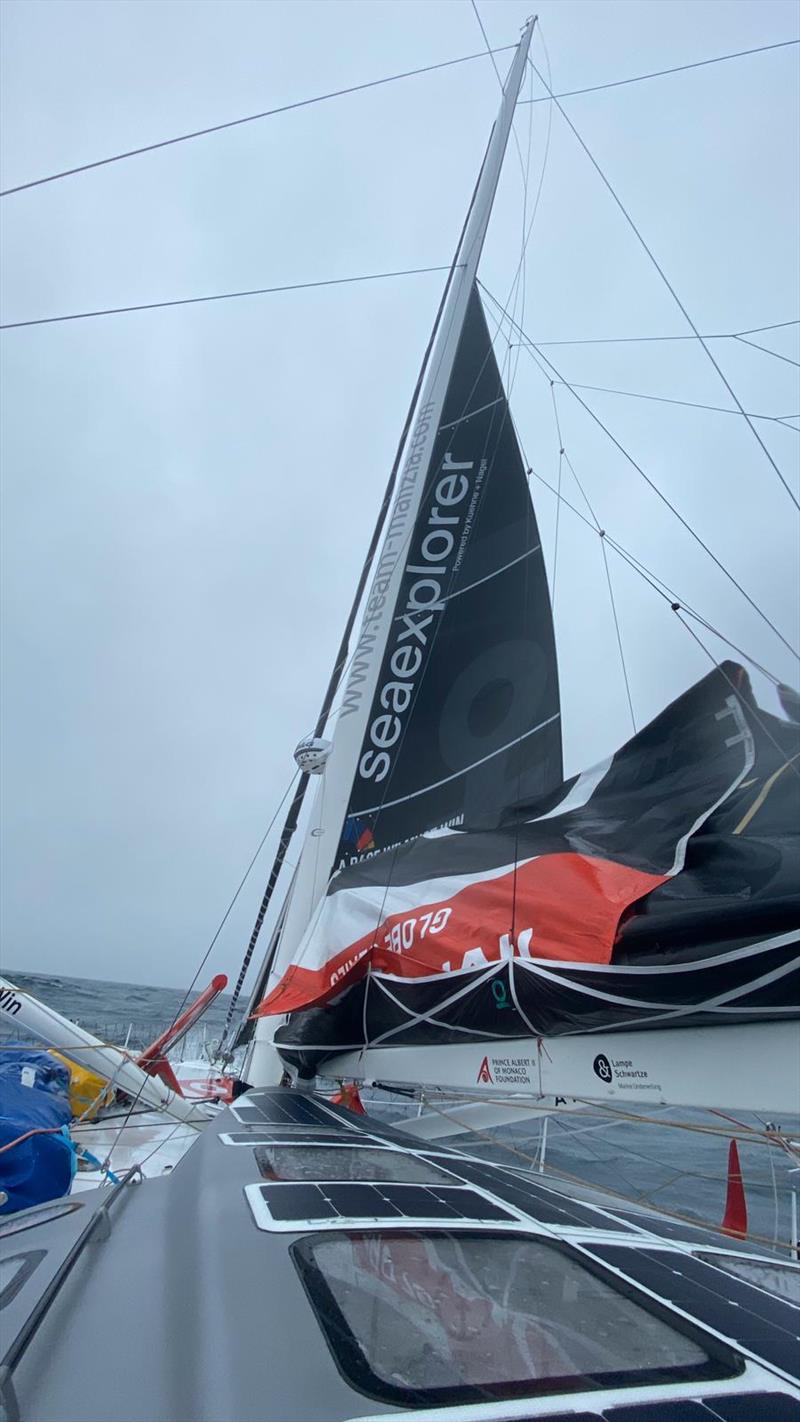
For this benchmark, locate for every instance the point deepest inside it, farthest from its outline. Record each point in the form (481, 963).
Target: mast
(290, 823)
(316, 861)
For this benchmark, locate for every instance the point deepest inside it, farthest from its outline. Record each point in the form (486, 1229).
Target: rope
(37, 1131)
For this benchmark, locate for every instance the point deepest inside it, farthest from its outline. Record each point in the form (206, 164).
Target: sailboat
(459, 916)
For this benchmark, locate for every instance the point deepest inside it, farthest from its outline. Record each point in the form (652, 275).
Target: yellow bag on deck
(86, 1089)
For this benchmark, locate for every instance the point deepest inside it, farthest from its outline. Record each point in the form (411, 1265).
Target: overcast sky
(188, 494)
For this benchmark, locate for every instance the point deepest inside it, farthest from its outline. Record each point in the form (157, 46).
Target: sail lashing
(659, 891)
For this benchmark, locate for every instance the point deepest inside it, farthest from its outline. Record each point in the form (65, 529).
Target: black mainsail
(468, 677)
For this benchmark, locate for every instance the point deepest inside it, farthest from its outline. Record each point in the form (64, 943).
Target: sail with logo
(444, 851)
(464, 717)
(468, 675)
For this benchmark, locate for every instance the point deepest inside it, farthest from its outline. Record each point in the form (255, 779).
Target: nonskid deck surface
(304, 1263)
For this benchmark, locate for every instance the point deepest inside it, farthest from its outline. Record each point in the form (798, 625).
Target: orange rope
(38, 1131)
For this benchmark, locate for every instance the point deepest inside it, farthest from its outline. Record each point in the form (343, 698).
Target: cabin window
(438, 1317)
(361, 1163)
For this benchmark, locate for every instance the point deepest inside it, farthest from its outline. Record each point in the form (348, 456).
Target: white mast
(263, 1067)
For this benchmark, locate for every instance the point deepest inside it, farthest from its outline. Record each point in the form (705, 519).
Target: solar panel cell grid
(367, 1201)
(735, 1309)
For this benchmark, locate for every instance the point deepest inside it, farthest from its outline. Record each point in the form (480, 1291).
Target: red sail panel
(561, 906)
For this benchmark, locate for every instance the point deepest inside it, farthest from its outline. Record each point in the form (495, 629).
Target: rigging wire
(690, 404)
(777, 355)
(531, 347)
(564, 457)
(660, 73)
(671, 597)
(558, 503)
(657, 584)
(229, 909)
(557, 1173)
(248, 118)
(373, 84)
(664, 591)
(651, 254)
(222, 296)
(135, 1099)
(653, 581)
(632, 340)
(602, 536)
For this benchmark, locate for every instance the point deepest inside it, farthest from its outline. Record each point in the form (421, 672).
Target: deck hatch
(297, 1137)
(346, 1162)
(437, 1317)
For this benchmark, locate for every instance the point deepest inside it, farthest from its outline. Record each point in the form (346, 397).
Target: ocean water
(660, 1163)
(128, 1012)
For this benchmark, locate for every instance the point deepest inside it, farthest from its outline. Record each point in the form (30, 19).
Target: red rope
(38, 1131)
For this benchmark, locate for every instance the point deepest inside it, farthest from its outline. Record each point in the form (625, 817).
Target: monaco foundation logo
(484, 1073)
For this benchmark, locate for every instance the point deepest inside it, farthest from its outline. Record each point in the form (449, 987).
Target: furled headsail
(660, 889)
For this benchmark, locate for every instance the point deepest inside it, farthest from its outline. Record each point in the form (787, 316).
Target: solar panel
(543, 1205)
(285, 1108)
(329, 1203)
(749, 1407)
(761, 1322)
(669, 1229)
(774, 1406)
(676, 1410)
